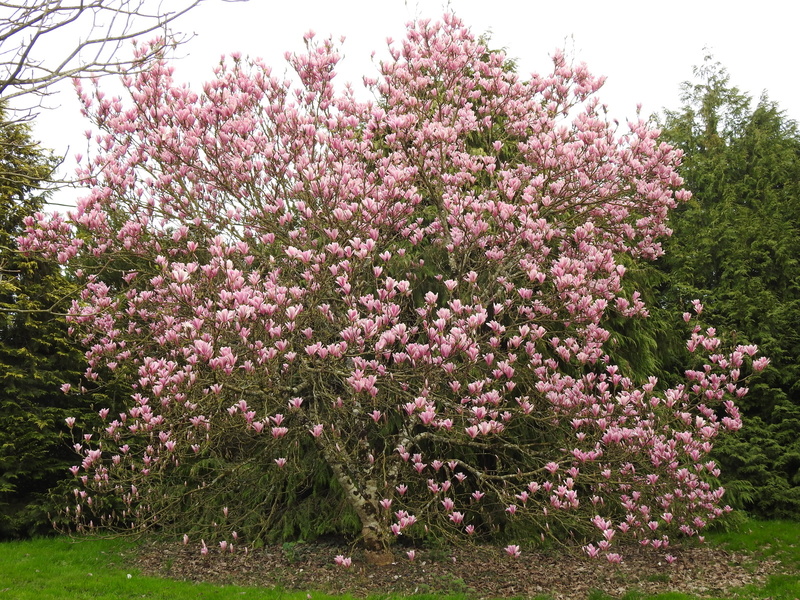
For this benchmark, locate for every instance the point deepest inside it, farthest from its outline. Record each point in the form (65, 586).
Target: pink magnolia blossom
(343, 561)
(760, 363)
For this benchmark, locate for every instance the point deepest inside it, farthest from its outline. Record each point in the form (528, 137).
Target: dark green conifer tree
(36, 356)
(736, 247)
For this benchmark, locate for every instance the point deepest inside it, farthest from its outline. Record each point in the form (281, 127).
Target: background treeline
(735, 246)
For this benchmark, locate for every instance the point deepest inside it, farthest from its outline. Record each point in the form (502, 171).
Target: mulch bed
(477, 571)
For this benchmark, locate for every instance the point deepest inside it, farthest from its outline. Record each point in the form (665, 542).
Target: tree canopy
(399, 301)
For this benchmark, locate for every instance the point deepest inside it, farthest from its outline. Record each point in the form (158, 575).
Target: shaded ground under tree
(701, 570)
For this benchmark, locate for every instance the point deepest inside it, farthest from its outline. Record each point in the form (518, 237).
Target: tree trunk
(364, 500)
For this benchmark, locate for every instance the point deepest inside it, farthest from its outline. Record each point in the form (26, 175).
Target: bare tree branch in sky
(88, 35)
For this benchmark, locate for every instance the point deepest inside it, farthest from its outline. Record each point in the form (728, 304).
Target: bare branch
(88, 33)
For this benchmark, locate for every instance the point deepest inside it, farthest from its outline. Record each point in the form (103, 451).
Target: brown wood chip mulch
(476, 571)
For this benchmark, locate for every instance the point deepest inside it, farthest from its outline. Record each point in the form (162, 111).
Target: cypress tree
(36, 357)
(736, 246)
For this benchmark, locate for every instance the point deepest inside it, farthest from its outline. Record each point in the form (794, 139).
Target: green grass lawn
(97, 569)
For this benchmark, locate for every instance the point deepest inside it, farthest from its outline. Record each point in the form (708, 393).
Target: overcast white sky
(646, 48)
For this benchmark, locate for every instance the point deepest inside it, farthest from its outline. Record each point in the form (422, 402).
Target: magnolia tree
(408, 294)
